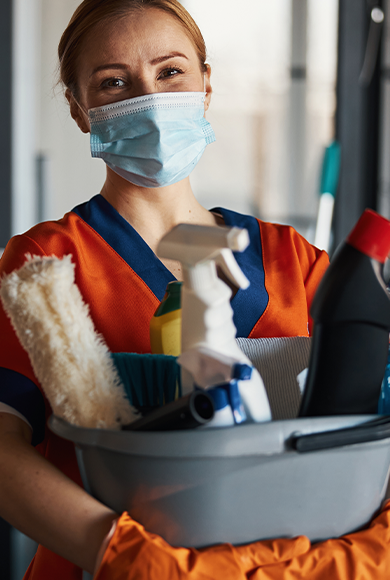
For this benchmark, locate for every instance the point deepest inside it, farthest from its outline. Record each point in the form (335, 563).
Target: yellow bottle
(165, 326)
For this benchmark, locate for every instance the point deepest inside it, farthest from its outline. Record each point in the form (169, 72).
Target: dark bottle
(351, 313)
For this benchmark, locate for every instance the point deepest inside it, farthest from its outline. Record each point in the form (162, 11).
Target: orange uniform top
(123, 282)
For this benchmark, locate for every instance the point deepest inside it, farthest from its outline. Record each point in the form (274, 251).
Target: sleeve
(135, 553)
(18, 385)
(4, 408)
(313, 263)
(20, 393)
(293, 268)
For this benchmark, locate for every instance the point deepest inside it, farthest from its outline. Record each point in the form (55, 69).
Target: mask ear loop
(85, 111)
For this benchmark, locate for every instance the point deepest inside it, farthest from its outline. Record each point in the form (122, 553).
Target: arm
(40, 501)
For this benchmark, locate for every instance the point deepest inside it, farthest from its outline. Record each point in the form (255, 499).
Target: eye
(169, 73)
(115, 83)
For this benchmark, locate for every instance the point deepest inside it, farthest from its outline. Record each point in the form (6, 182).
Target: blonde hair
(92, 12)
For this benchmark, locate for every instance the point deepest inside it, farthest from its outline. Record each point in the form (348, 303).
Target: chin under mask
(154, 140)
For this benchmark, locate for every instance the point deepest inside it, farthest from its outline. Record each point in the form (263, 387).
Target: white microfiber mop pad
(70, 360)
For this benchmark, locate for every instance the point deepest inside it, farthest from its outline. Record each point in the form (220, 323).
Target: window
(273, 105)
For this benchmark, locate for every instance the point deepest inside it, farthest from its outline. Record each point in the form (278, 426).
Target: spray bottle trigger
(238, 239)
(231, 269)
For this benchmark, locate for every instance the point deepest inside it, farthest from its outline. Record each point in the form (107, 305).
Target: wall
(70, 174)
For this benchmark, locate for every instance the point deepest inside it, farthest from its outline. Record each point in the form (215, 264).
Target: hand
(133, 553)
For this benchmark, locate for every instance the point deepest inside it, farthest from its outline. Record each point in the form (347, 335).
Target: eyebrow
(167, 57)
(116, 65)
(120, 66)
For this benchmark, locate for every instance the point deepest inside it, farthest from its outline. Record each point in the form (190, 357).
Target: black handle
(373, 43)
(188, 412)
(374, 430)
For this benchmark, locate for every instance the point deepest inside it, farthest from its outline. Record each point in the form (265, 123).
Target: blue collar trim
(126, 242)
(248, 305)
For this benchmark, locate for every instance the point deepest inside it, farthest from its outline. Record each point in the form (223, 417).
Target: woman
(150, 51)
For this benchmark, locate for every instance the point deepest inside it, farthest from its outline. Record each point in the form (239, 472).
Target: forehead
(139, 35)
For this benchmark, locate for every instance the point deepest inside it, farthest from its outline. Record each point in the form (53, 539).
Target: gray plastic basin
(236, 484)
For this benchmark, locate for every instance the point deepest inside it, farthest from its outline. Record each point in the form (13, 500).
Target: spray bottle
(351, 313)
(210, 353)
(165, 326)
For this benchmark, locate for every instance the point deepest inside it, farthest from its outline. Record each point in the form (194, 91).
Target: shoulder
(283, 233)
(45, 239)
(284, 243)
(274, 238)
(285, 254)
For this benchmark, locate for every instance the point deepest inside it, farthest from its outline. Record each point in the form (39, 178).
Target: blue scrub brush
(149, 380)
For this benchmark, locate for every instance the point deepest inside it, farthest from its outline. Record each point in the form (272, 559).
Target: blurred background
(289, 78)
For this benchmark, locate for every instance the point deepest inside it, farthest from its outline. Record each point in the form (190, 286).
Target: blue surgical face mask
(154, 140)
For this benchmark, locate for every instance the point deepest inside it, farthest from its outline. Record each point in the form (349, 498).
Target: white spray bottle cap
(193, 244)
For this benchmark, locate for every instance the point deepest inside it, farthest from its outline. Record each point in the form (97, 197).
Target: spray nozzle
(193, 244)
(231, 269)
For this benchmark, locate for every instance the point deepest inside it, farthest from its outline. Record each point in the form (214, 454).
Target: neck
(153, 212)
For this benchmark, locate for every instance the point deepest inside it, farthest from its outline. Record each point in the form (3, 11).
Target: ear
(77, 113)
(208, 88)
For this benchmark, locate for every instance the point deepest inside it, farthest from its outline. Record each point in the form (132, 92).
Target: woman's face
(143, 53)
